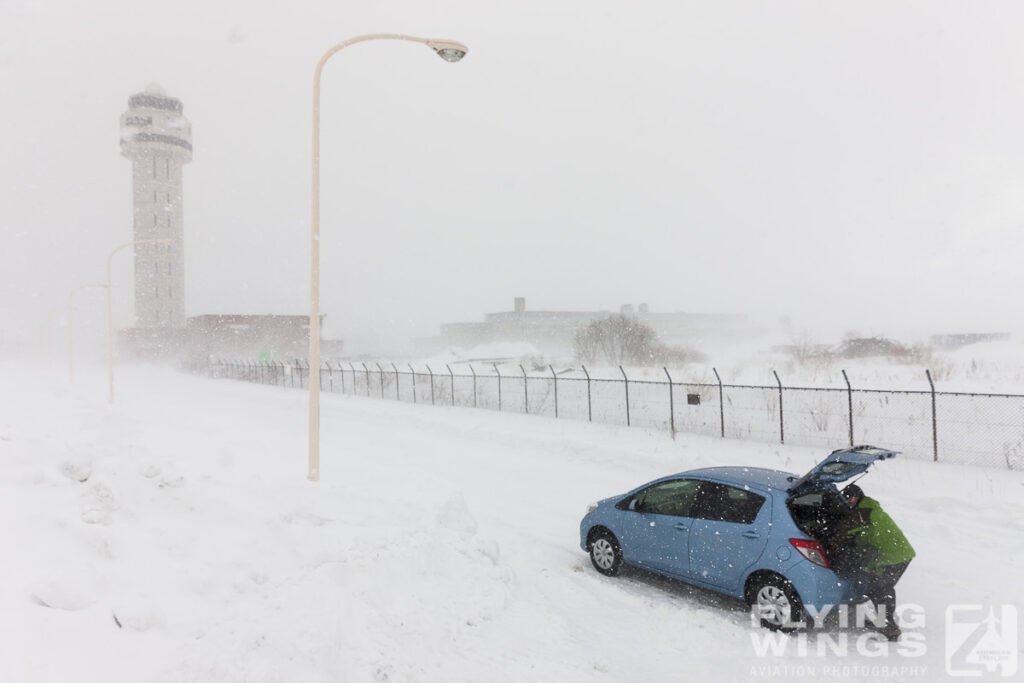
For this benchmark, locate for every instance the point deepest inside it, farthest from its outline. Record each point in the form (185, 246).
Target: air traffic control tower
(157, 137)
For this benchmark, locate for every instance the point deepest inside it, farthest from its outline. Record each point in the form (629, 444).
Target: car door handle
(751, 534)
(680, 526)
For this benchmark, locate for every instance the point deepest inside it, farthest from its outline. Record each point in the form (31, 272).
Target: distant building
(253, 337)
(157, 138)
(553, 331)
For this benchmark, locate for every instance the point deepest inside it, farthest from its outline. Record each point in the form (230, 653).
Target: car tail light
(812, 550)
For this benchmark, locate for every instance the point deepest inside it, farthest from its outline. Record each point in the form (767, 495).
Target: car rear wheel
(605, 553)
(776, 603)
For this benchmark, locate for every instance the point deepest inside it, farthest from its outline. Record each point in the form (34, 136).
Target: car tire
(777, 602)
(605, 553)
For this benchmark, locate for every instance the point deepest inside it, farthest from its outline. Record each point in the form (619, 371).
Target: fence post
(295, 372)
(398, 394)
(381, 371)
(413, 373)
(367, 371)
(935, 422)
(431, 385)
(526, 393)
(782, 422)
(626, 380)
(671, 404)
(721, 401)
(849, 399)
(590, 410)
(474, 383)
(280, 371)
(554, 378)
(498, 372)
(353, 368)
(342, 371)
(452, 376)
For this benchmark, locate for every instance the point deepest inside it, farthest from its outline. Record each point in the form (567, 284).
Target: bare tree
(616, 339)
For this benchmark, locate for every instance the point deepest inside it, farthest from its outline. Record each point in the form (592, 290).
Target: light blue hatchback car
(769, 537)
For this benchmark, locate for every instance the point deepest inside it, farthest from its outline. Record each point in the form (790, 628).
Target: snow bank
(174, 537)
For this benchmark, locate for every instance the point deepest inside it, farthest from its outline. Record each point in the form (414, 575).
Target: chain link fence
(955, 427)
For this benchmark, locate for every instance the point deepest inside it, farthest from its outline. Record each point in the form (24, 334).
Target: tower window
(156, 292)
(168, 268)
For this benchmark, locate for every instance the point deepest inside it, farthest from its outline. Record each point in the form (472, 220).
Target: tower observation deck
(157, 138)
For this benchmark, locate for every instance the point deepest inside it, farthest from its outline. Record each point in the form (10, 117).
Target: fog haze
(853, 166)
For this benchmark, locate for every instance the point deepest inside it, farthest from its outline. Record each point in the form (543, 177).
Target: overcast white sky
(856, 164)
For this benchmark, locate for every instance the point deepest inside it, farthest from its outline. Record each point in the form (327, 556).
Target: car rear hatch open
(839, 466)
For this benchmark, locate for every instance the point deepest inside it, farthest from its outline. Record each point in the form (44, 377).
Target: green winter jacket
(882, 535)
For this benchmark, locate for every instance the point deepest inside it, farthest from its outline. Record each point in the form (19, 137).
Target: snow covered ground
(174, 537)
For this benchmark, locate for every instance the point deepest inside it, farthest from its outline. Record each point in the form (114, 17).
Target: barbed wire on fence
(955, 427)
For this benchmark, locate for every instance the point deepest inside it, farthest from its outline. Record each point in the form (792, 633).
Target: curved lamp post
(110, 311)
(448, 50)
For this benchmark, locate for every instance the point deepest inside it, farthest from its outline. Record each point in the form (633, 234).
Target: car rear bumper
(821, 588)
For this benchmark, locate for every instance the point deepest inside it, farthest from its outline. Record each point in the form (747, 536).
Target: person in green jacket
(885, 552)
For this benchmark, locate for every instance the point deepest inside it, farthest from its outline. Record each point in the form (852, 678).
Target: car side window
(727, 504)
(673, 497)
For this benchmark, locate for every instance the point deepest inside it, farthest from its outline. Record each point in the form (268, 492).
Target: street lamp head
(448, 50)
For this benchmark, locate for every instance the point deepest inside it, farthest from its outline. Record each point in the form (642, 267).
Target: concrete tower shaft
(157, 138)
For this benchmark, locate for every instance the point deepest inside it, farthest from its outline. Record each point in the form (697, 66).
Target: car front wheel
(776, 602)
(605, 553)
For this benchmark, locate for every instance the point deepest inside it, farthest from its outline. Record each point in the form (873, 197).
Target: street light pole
(49, 336)
(71, 348)
(448, 50)
(110, 311)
